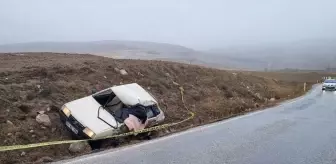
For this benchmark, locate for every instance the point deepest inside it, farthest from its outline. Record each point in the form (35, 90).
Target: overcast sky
(192, 23)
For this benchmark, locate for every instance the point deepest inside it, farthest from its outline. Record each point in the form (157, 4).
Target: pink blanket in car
(133, 123)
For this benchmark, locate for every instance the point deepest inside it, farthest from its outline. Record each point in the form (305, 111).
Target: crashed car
(110, 111)
(329, 85)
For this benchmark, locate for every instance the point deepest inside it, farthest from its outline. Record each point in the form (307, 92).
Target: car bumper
(73, 126)
(329, 88)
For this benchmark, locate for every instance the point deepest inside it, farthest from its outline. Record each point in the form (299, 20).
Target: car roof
(132, 94)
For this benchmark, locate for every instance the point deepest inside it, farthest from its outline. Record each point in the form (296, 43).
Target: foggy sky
(193, 23)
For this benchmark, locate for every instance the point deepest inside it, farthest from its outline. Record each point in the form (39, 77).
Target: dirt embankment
(37, 82)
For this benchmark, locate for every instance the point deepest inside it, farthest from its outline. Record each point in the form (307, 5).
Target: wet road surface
(302, 131)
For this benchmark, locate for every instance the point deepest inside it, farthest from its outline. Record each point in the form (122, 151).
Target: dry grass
(34, 82)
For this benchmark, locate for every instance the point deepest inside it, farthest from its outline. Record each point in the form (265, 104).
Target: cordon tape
(155, 128)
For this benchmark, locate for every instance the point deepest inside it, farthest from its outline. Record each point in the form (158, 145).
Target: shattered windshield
(103, 97)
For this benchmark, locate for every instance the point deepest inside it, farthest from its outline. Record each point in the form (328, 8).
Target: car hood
(85, 110)
(329, 84)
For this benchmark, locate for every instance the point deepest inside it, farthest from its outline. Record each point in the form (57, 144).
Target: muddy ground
(36, 82)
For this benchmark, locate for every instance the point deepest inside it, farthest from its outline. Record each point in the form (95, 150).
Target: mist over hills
(308, 54)
(316, 54)
(110, 46)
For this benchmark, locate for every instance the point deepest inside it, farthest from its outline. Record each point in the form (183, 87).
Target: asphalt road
(302, 131)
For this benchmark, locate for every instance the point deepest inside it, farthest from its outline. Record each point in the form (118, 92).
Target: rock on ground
(175, 83)
(53, 130)
(23, 154)
(43, 119)
(44, 159)
(78, 147)
(123, 72)
(258, 96)
(10, 123)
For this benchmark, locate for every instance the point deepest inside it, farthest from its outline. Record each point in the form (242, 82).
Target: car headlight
(89, 132)
(66, 111)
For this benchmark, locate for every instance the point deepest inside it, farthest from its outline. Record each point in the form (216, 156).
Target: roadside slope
(37, 81)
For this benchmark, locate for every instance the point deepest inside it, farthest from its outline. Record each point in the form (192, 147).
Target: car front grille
(75, 123)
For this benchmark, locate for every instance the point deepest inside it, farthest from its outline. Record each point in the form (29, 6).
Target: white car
(329, 84)
(104, 113)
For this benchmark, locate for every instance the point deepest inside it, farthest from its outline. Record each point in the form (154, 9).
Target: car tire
(148, 135)
(95, 144)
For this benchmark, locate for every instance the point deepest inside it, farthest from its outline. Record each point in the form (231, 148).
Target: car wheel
(148, 135)
(103, 143)
(95, 144)
(144, 136)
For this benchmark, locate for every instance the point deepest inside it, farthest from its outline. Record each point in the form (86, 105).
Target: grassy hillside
(34, 82)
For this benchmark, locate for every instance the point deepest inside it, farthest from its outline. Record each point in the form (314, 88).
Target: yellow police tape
(155, 128)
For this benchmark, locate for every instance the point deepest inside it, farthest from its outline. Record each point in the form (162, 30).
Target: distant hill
(123, 49)
(120, 49)
(309, 54)
(306, 55)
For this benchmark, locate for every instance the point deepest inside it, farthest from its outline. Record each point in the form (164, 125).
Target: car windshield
(330, 81)
(103, 97)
